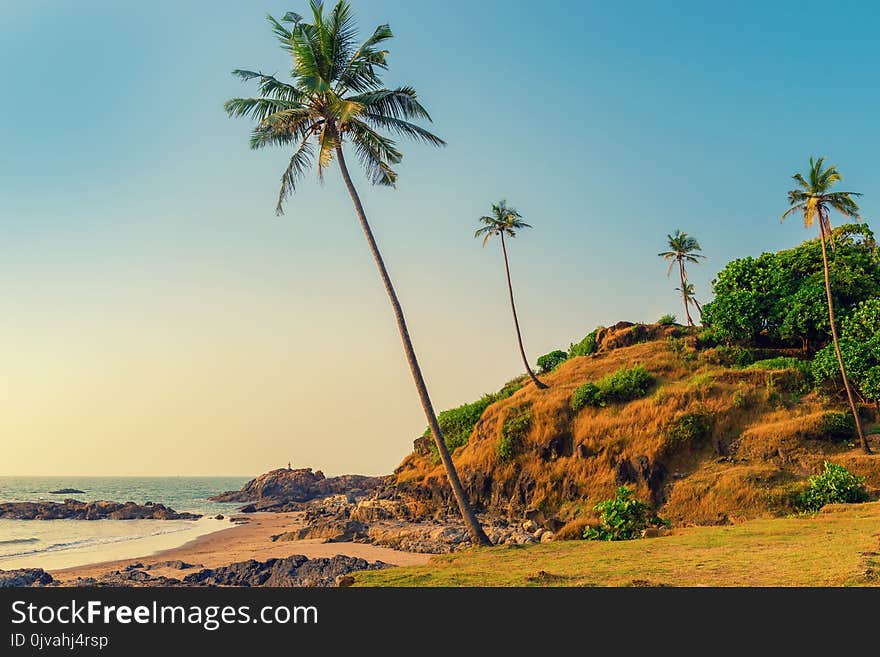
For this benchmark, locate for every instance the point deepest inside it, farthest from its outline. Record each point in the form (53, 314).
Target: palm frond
(295, 170)
(403, 128)
(400, 103)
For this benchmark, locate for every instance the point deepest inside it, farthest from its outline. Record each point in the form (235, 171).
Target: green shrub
(587, 395)
(585, 347)
(668, 320)
(513, 431)
(623, 385)
(838, 426)
(622, 518)
(836, 485)
(458, 423)
(626, 384)
(550, 361)
(780, 363)
(687, 429)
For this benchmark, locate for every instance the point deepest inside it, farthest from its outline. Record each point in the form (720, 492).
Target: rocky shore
(100, 510)
(354, 508)
(296, 570)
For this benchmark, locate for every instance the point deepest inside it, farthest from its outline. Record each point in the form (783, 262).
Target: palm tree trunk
(522, 352)
(478, 536)
(849, 395)
(687, 310)
(699, 308)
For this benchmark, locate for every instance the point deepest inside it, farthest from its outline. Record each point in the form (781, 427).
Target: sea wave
(85, 542)
(15, 541)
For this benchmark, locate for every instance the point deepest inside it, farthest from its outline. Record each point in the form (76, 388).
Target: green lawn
(838, 547)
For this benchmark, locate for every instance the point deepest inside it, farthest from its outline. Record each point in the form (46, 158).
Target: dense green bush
(623, 385)
(458, 423)
(626, 384)
(588, 394)
(668, 320)
(836, 485)
(585, 347)
(781, 296)
(622, 518)
(687, 429)
(860, 349)
(548, 362)
(513, 431)
(838, 426)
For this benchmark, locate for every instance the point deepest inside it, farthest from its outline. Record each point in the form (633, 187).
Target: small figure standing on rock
(288, 466)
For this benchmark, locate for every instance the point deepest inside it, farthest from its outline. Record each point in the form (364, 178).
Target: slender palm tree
(691, 298)
(814, 199)
(336, 96)
(682, 249)
(505, 221)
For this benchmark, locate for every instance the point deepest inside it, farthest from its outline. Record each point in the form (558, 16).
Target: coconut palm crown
(813, 198)
(503, 220)
(335, 95)
(682, 249)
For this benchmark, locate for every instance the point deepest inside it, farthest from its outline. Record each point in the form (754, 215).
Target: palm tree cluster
(336, 98)
(684, 249)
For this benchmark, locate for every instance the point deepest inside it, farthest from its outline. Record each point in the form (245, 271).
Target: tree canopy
(780, 297)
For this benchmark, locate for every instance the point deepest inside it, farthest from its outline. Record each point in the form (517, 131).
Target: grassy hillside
(710, 442)
(838, 547)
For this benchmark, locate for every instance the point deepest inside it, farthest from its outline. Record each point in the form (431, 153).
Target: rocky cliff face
(298, 485)
(101, 510)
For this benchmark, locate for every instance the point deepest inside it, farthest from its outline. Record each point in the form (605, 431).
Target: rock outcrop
(67, 491)
(25, 577)
(296, 570)
(100, 510)
(276, 490)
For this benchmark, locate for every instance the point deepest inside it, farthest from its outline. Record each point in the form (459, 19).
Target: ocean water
(65, 543)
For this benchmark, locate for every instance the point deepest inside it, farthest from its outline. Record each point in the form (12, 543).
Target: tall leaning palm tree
(682, 249)
(504, 222)
(336, 97)
(814, 199)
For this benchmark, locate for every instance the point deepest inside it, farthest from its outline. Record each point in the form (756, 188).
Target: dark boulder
(24, 577)
(296, 570)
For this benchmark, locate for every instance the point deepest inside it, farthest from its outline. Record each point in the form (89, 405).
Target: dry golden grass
(838, 547)
(763, 441)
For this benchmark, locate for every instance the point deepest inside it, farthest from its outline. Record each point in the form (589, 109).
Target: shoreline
(241, 542)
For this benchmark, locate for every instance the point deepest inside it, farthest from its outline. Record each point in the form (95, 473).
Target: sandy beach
(242, 542)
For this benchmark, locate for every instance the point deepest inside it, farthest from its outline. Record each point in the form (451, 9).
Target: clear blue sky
(152, 303)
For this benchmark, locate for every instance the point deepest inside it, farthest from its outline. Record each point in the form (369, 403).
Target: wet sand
(242, 542)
